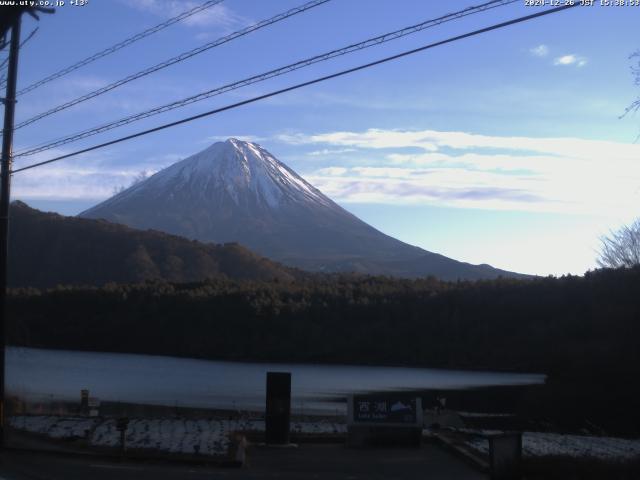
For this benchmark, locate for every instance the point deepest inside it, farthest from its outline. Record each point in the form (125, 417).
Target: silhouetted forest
(47, 249)
(582, 331)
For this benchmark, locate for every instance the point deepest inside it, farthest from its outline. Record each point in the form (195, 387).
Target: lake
(59, 375)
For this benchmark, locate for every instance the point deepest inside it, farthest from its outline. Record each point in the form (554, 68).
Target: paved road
(322, 462)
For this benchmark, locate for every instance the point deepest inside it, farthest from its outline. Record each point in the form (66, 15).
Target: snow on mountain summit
(244, 171)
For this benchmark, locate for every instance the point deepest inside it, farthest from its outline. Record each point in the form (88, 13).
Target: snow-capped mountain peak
(242, 170)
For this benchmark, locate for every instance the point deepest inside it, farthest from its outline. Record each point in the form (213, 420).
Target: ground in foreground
(321, 462)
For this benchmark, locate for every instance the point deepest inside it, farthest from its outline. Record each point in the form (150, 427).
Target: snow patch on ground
(206, 437)
(55, 427)
(536, 444)
(212, 436)
(320, 427)
(484, 415)
(173, 435)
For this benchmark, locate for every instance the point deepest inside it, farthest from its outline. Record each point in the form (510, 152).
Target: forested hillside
(47, 249)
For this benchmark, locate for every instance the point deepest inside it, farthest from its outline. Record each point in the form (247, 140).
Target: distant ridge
(236, 191)
(47, 249)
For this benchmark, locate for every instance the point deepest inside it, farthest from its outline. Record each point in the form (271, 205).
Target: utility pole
(11, 19)
(5, 192)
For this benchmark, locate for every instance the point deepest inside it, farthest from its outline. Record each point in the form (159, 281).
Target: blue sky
(506, 148)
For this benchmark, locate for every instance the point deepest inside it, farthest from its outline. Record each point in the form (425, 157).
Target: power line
(122, 44)
(172, 61)
(301, 85)
(22, 43)
(179, 58)
(265, 76)
(3, 80)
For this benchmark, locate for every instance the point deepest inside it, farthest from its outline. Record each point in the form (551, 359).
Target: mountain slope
(237, 191)
(47, 249)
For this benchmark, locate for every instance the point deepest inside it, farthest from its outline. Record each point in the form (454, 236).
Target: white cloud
(387, 172)
(453, 187)
(432, 141)
(218, 15)
(332, 171)
(571, 59)
(539, 51)
(90, 177)
(244, 138)
(330, 151)
(61, 182)
(372, 138)
(460, 169)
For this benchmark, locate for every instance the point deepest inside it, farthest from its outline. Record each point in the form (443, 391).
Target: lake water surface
(37, 374)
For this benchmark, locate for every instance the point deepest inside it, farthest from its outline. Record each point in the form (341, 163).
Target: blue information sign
(383, 409)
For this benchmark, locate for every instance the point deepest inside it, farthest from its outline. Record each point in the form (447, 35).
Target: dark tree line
(542, 324)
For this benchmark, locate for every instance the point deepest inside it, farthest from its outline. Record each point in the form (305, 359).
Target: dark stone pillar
(278, 408)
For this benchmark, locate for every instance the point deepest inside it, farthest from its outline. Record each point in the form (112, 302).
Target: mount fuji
(236, 191)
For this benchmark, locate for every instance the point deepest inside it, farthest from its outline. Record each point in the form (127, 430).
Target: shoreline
(451, 369)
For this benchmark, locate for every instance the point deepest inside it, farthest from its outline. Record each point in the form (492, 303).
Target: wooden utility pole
(5, 192)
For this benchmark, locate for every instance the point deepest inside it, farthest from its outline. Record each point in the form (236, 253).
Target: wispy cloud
(330, 152)
(93, 177)
(433, 140)
(244, 138)
(447, 187)
(572, 59)
(217, 16)
(332, 171)
(461, 169)
(539, 51)
(371, 138)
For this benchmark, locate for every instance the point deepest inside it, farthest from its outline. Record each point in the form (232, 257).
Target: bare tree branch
(621, 248)
(635, 71)
(140, 177)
